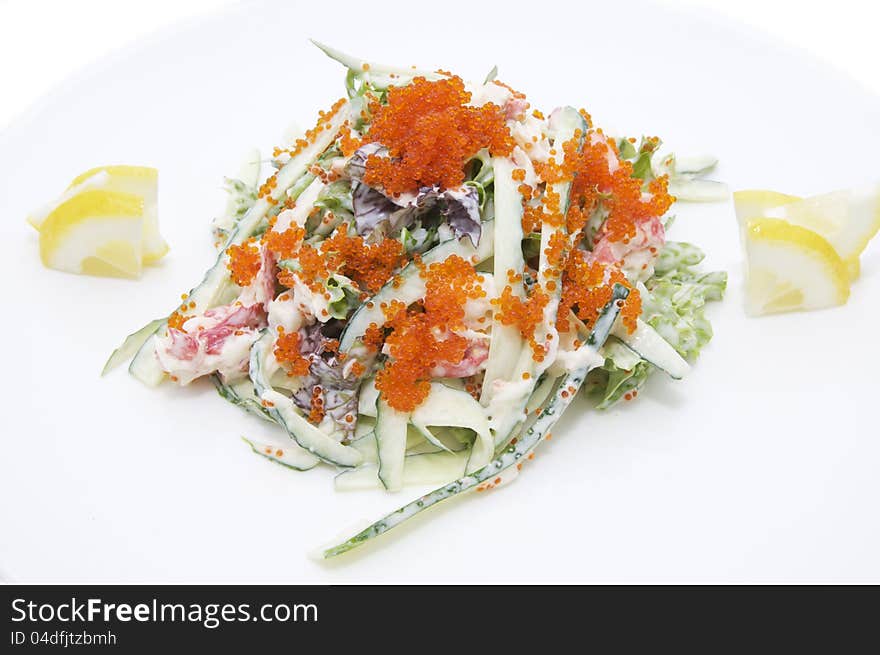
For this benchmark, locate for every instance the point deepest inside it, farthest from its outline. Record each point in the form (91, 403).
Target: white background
(759, 466)
(44, 41)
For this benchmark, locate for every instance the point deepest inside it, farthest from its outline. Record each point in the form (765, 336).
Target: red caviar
(374, 337)
(587, 286)
(244, 262)
(525, 315)
(287, 353)
(324, 118)
(430, 132)
(368, 265)
(284, 244)
(316, 408)
(621, 192)
(177, 319)
(421, 337)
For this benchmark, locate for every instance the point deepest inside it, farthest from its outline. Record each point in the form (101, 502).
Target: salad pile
(428, 276)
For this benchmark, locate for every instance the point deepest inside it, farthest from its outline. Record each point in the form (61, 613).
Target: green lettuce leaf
(673, 303)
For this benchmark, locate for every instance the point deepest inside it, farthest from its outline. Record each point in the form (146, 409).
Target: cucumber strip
(131, 345)
(379, 75)
(445, 439)
(368, 396)
(507, 414)
(391, 428)
(647, 343)
(430, 437)
(453, 408)
(240, 198)
(506, 341)
(241, 394)
(413, 286)
(367, 447)
(567, 124)
(512, 455)
(249, 173)
(540, 394)
(694, 165)
(281, 408)
(621, 355)
(427, 468)
(292, 458)
(698, 190)
(210, 291)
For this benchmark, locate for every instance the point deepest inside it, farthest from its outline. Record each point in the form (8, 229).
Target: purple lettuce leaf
(340, 394)
(374, 210)
(461, 208)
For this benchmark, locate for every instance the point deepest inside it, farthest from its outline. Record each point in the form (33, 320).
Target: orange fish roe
(516, 94)
(552, 171)
(177, 319)
(267, 187)
(324, 118)
(518, 174)
(420, 337)
(587, 287)
(525, 315)
(316, 408)
(621, 192)
(532, 218)
(556, 250)
(244, 262)
(368, 265)
(430, 133)
(348, 143)
(586, 116)
(448, 286)
(374, 337)
(286, 243)
(288, 354)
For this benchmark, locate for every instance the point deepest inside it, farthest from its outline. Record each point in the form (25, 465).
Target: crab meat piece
(261, 290)
(636, 256)
(515, 109)
(473, 361)
(217, 341)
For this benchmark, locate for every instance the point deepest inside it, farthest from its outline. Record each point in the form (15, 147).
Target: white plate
(761, 466)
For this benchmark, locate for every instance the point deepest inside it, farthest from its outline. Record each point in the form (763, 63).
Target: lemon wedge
(846, 219)
(791, 268)
(755, 203)
(96, 232)
(105, 223)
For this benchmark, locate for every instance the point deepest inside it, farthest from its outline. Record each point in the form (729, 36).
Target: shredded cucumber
(506, 341)
(312, 440)
(512, 455)
(391, 431)
(653, 348)
(216, 285)
(131, 345)
(379, 76)
(241, 394)
(449, 407)
(426, 468)
(292, 458)
(324, 396)
(507, 410)
(412, 287)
